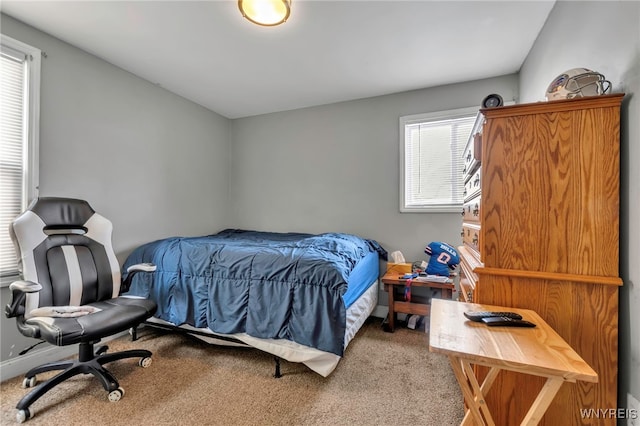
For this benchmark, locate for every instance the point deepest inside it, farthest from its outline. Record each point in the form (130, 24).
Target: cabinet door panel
(547, 178)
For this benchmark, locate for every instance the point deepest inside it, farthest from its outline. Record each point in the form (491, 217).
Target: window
(431, 148)
(19, 111)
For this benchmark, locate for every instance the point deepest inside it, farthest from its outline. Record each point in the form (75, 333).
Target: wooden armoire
(541, 232)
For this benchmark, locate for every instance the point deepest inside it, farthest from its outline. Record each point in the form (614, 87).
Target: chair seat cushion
(63, 311)
(110, 317)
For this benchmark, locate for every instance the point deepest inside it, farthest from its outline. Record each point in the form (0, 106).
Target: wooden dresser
(541, 232)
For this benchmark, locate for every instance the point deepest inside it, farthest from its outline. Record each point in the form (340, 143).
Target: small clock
(491, 101)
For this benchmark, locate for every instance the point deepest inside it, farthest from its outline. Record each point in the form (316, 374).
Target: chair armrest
(19, 290)
(142, 267)
(133, 270)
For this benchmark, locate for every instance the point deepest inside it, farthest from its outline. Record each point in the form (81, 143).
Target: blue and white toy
(443, 260)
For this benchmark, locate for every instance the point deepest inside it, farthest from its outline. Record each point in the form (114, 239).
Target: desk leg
(389, 327)
(544, 398)
(473, 392)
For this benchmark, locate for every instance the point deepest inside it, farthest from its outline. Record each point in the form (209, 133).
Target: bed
(300, 297)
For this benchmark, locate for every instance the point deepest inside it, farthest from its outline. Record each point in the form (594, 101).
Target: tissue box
(400, 268)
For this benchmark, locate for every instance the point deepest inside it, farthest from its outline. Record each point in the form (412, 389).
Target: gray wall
(605, 37)
(335, 167)
(152, 162)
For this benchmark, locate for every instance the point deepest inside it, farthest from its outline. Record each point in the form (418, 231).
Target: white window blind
(431, 149)
(19, 86)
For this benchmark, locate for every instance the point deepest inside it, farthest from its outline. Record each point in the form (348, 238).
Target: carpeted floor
(384, 379)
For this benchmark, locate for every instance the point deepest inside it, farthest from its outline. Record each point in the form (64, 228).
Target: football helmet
(576, 83)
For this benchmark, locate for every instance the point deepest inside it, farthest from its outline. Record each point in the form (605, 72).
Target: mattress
(362, 275)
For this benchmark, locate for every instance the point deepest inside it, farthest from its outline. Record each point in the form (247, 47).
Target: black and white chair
(71, 292)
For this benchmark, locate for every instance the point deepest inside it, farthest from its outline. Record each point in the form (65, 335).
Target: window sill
(432, 209)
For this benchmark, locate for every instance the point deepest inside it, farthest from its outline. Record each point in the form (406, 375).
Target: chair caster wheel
(145, 362)
(29, 382)
(23, 415)
(116, 395)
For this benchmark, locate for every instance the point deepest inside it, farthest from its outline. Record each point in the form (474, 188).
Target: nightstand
(392, 283)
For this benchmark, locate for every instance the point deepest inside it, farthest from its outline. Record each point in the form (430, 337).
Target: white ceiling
(328, 51)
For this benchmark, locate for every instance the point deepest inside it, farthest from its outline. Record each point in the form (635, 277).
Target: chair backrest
(65, 246)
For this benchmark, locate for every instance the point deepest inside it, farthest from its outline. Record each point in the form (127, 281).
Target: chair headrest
(58, 212)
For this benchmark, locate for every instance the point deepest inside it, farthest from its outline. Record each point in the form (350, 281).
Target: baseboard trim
(19, 365)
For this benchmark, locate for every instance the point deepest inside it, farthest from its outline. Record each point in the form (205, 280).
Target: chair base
(89, 362)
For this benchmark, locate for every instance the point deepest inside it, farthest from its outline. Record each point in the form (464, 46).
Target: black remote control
(478, 315)
(507, 322)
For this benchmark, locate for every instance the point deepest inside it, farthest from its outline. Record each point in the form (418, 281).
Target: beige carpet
(384, 379)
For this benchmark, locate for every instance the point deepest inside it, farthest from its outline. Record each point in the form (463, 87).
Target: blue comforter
(268, 285)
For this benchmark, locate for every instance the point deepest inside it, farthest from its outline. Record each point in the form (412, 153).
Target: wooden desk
(538, 351)
(391, 281)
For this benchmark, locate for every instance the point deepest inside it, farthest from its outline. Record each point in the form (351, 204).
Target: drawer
(472, 185)
(471, 235)
(466, 290)
(471, 210)
(472, 154)
(473, 149)
(468, 279)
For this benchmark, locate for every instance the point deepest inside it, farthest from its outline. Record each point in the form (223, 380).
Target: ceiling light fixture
(268, 13)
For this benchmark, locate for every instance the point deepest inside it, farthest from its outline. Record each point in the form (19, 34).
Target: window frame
(31, 127)
(467, 112)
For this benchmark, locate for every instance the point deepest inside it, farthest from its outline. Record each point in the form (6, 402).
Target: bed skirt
(318, 361)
